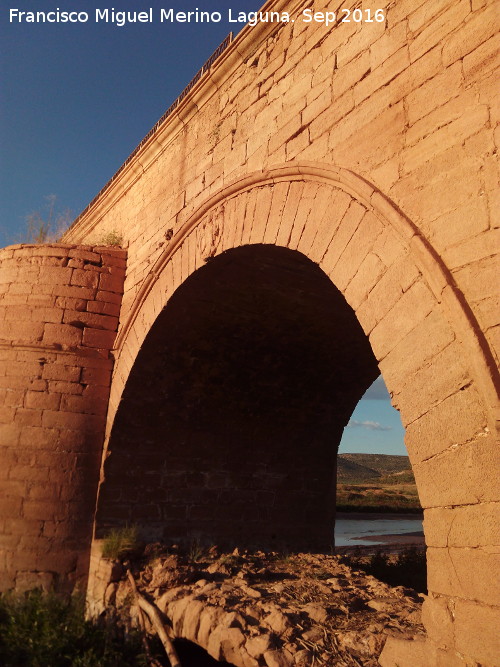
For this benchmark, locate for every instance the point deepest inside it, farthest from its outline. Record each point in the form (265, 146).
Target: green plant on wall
(120, 542)
(47, 225)
(111, 238)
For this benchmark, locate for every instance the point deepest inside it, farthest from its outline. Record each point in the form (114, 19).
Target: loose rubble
(265, 609)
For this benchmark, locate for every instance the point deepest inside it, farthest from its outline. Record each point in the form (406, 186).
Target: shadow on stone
(194, 656)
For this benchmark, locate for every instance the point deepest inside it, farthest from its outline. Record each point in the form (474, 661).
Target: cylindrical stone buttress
(59, 310)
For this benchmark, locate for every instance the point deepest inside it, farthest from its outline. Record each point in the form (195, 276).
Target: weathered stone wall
(408, 104)
(59, 307)
(404, 229)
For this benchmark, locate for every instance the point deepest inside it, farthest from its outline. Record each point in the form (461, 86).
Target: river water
(366, 529)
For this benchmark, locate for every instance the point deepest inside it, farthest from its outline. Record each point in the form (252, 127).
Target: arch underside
(231, 418)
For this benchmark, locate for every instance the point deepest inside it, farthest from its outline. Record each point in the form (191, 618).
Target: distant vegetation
(361, 467)
(376, 483)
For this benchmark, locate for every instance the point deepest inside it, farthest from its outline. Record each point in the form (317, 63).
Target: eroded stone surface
(310, 609)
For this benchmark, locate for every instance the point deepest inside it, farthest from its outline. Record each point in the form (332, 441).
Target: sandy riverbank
(385, 542)
(397, 516)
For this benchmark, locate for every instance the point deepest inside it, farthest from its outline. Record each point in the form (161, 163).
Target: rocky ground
(258, 609)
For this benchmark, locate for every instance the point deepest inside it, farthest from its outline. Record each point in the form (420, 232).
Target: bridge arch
(369, 249)
(435, 361)
(254, 209)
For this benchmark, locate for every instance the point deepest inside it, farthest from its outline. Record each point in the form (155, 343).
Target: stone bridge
(317, 207)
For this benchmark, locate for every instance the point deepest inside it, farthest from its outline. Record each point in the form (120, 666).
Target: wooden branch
(152, 662)
(154, 617)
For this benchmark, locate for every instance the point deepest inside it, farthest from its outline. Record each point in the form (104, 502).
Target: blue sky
(75, 100)
(375, 426)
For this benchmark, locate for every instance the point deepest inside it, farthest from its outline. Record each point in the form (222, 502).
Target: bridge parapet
(59, 307)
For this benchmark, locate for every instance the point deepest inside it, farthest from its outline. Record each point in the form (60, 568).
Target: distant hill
(376, 483)
(366, 467)
(348, 471)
